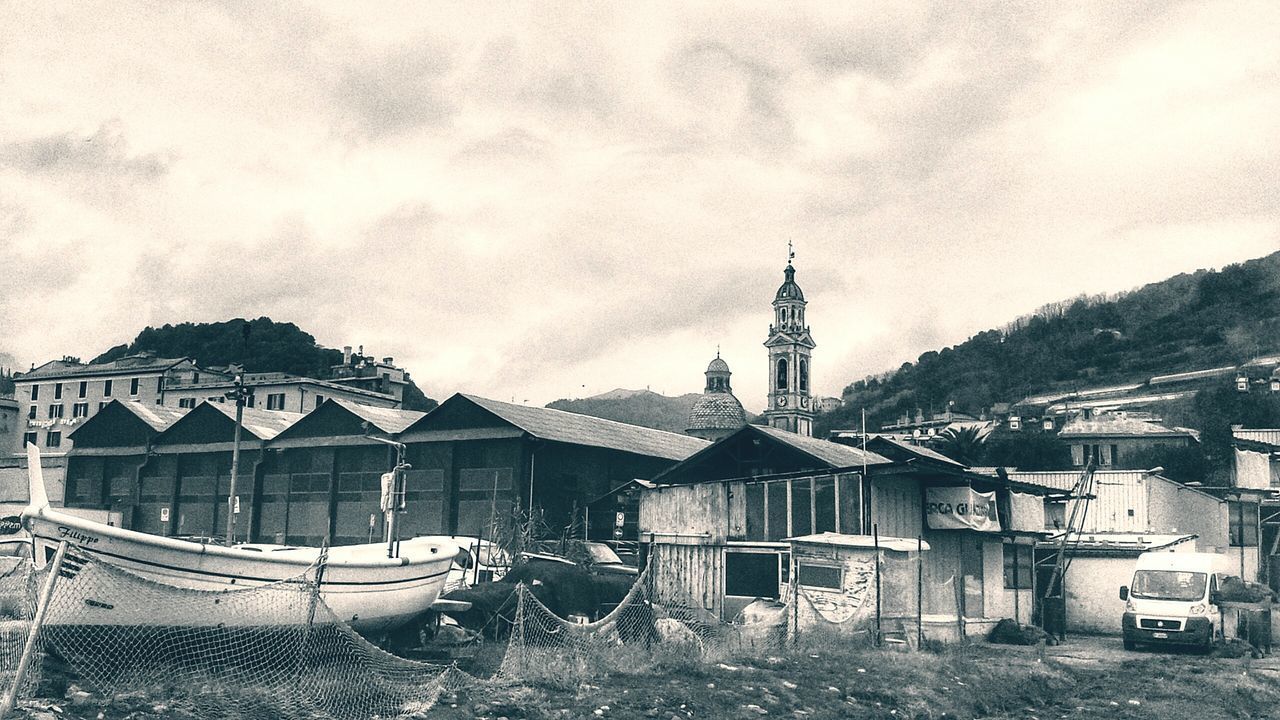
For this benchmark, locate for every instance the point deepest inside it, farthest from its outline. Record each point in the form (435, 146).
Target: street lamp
(240, 394)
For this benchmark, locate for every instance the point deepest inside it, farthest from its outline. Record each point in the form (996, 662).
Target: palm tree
(965, 445)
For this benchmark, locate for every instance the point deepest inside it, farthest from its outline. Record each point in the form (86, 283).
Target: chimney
(387, 360)
(346, 354)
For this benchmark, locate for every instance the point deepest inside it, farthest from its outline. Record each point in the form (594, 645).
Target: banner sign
(960, 508)
(10, 525)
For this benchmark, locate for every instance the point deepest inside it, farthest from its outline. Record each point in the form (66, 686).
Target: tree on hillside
(1028, 451)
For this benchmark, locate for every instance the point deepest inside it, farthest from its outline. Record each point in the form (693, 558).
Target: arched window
(804, 375)
(781, 383)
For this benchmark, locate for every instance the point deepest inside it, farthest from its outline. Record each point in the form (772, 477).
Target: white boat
(360, 583)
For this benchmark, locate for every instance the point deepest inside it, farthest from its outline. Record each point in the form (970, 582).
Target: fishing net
(269, 651)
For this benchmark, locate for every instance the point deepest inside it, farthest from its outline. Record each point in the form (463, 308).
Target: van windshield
(1169, 585)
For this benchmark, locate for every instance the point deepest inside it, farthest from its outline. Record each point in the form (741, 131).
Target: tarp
(1026, 512)
(960, 508)
(1254, 470)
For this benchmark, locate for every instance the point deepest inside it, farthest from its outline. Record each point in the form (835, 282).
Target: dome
(717, 411)
(718, 365)
(789, 289)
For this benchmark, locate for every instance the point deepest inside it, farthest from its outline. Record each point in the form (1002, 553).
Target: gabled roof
(133, 364)
(262, 424)
(159, 417)
(576, 429)
(1119, 426)
(833, 454)
(896, 449)
(388, 420)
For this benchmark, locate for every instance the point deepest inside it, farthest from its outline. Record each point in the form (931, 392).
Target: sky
(537, 201)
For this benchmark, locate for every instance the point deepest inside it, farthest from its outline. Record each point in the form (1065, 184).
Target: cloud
(394, 93)
(103, 156)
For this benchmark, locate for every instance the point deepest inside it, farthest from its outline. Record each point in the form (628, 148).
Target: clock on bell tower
(790, 347)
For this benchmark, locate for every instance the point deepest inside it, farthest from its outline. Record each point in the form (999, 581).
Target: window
(53, 439)
(1017, 566)
(275, 401)
(133, 386)
(31, 412)
(57, 391)
(101, 404)
(80, 409)
(28, 439)
(248, 402)
(55, 411)
(1243, 529)
(84, 387)
(820, 576)
(319, 400)
(748, 574)
(780, 382)
(186, 402)
(106, 388)
(35, 392)
(160, 384)
(804, 375)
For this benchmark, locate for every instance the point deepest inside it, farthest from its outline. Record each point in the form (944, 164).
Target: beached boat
(361, 584)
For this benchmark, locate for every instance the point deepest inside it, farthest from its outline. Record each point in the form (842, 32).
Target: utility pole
(239, 395)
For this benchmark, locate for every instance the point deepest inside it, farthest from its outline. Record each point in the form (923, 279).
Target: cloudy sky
(541, 201)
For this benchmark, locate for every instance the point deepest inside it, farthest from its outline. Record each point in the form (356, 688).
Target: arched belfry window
(804, 375)
(782, 374)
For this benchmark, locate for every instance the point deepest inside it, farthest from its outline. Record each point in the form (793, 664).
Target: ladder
(1081, 493)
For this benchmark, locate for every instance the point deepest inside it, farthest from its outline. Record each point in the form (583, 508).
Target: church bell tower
(790, 347)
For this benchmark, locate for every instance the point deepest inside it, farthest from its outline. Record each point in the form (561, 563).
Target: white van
(1173, 599)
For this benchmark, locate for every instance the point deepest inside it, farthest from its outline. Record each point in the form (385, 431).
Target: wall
(686, 511)
(1178, 510)
(999, 601)
(689, 576)
(896, 506)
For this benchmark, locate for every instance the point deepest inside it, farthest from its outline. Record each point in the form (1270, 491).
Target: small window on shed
(752, 574)
(826, 577)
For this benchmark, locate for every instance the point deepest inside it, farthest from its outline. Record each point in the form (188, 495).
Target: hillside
(1190, 321)
(637, 407)
(260, 345)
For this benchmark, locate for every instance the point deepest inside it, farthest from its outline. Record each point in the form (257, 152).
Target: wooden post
(875, 539)
(1016, 614)
(42, 608)
(919, 591)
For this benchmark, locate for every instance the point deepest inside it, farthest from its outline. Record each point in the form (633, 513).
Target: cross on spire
(791, 252)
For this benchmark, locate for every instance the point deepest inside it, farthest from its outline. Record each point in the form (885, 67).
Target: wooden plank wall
(689, 575)
(686, 510)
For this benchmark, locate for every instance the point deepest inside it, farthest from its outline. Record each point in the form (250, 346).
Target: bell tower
(790, 347)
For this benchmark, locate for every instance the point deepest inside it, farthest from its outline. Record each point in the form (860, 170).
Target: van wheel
(1130, 645)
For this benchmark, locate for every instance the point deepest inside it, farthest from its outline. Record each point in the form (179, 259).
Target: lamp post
(239, 394)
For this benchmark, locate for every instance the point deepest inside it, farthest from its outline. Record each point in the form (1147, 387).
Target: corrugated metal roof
(282, 379)
(834, 454)
(264, 424)
(1193, 375)
(1266, 436)
(562, 426)
(920, 450)
(158, 417)
(388, 420)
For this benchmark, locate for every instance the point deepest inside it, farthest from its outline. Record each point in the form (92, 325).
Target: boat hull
(360, 585)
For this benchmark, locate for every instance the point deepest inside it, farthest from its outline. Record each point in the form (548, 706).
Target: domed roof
(718, 365)
(716, 411)
(789, 289)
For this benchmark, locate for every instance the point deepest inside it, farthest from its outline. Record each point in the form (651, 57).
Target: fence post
(42, 608)
(919, 591)
(875, 539)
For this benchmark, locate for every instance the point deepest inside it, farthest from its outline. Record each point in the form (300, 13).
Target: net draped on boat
(197, 651)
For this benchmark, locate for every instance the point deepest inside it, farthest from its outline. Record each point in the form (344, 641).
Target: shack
(718, 524)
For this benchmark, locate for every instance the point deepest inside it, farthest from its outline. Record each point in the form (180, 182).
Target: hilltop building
(276, 391)
(365, 373)
(717, 413)
(790, 405)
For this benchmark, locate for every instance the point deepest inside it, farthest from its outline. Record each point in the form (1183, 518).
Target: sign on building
(960, 508)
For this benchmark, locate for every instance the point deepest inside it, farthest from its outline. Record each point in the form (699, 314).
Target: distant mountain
(636, 407)
(1191, 321)
(260, 345)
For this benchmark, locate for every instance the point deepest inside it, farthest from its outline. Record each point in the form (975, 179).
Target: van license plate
(1160, 636)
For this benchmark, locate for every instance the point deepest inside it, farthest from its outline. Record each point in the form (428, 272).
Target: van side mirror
(1124, 592)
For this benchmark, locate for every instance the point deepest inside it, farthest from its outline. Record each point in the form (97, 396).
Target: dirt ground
(1088, 677)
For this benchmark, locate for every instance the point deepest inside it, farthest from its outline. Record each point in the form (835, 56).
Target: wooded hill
(636, 407)
(260, 345)
(1190, 321)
